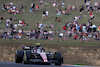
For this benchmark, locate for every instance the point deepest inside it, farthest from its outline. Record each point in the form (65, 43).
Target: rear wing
(31, 48)
(27, 48)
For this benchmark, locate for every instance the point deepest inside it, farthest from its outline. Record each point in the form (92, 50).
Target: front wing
(41, 61)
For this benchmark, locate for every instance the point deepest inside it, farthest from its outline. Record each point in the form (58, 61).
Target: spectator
(85, 1)
(41, 2)
(31, 11)
(52, 25)
(11, 26)
(32, 35)
(11, 3)
(47, 3)
(64, 28)
(81, 9)
(4, 7)
(99, 28)
(56, 19)
(37, 7)
(54, 4)
(27, 35)
(67, 13)
(75, 36)
(58, 4)
(33, 6)
(63, 12)
(99, 8)
(61, 35)
(44, 14)
(94, 28)
(59, 12)
(59, 19)
(91, 7)
(96, 6)
(63, 4)
(22, 6)
(91, 15)
(73, 7)
(47, 13)
(2, 18)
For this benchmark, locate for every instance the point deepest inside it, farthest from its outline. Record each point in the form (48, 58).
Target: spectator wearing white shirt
(63, 4)
(14, 7)
(41, 2)
(96, 6)
(7, 27)
(19, 31)
(87, 3)
(11, 3)
(15, 26)
(47, 13)
(61, 35)
(54, 4)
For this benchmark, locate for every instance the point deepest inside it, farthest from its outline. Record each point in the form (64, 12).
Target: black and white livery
(37, 54)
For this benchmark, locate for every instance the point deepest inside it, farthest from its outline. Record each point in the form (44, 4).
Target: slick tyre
(57, 56)
(19, 56)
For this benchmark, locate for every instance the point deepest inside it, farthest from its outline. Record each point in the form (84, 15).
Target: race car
(37, 54)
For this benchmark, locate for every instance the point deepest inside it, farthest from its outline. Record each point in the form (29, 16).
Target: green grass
(49, 42)
(32, 18)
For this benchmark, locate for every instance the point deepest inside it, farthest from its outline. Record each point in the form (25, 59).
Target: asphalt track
(12, 64)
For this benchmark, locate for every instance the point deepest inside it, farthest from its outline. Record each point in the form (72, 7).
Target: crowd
(41, 25)
(11, 29)
(13, 9)
(40, 34)
(82, 32)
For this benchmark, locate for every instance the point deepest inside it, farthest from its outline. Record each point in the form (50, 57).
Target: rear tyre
(57, 56)
(19, 56)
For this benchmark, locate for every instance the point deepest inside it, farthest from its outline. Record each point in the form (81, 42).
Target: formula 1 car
(37, 55)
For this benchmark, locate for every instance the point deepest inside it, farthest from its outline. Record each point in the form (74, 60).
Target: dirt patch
(88, 55)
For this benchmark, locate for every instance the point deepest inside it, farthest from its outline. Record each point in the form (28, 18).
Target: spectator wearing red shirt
(91, 15)
(67, 12)
(75, 36)
(64, 28)
(37, 7)
(80, 28)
